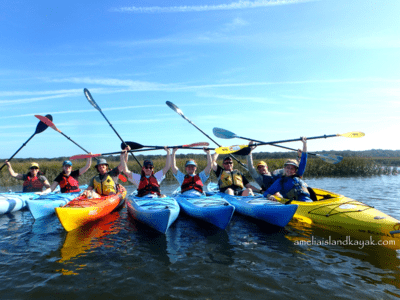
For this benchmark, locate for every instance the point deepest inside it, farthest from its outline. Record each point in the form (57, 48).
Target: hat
(227, 158)
(262, 163)
(190, 163)
(101, 161)
(292, 162)
(67, 163)
(34, 165)
(147, 162)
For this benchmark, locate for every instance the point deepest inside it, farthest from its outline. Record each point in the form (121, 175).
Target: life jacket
(148, 186)
(105, 187)
(299, 189)
(192, 183)
(32, 184)
(232, 180)
(69, 184)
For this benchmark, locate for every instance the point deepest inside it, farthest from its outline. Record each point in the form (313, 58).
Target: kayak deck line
(337, 205)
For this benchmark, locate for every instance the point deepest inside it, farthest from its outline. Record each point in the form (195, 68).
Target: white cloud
(202, 8)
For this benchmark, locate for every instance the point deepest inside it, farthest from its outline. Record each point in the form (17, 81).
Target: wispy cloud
(203, 8)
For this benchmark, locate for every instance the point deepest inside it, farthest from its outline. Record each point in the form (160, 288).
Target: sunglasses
(228, 163)
(34, 168)
(149, 167)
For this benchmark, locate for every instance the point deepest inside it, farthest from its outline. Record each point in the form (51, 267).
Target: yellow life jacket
(105, 187)
(233, 180)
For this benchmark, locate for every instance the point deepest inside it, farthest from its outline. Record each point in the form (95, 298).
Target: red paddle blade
(122, 178)
(200, 144)
(48, 122)
(84, 156)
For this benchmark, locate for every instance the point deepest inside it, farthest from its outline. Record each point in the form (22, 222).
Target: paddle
(94, 104)
(39, 129)
(179, 112)
(50, 124)
(135, 146)
(226, 134)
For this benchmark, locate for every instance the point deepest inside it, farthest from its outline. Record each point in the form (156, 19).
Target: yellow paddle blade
(230, 149)
(354, 134)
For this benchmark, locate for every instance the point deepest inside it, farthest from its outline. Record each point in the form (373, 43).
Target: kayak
(260, 208)
(82, 210)
(157, 213)
(214, 209)
(339, 213)
(45, 205)
(14, 201)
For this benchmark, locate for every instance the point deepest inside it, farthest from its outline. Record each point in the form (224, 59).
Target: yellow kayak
(83, 210)
(339, 213)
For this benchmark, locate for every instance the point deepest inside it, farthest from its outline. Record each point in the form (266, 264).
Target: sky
(266, 70)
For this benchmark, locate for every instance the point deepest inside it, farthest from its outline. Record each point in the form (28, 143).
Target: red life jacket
(32, 184)
(69, 184)
(148, 186)
(192, 183)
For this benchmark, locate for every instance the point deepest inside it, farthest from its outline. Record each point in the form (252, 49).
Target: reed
(350, 166)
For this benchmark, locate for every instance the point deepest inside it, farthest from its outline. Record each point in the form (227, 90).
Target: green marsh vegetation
(350, 166)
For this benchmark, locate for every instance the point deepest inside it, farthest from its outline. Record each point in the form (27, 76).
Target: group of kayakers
(286, 183)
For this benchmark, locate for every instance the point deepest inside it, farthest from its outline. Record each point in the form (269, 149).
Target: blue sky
(268, 70)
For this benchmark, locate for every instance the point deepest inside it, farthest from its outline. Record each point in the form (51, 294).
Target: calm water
(116, 258)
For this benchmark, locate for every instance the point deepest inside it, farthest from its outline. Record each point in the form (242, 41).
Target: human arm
(253, 172)
(168, 161)
(207, 170)
(303, 160)
(273, 189)
(174, 168)
(87, 166)
(214, 164)
(50, 189)
(12, 172)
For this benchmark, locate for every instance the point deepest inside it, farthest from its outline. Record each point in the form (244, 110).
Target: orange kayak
(83, 210)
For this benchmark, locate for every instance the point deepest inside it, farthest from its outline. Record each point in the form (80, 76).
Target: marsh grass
(350, 166)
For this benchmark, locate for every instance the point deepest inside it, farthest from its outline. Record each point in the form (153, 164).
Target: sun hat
(261, 163)
(292, 162)
(101, 161)
(190, 163)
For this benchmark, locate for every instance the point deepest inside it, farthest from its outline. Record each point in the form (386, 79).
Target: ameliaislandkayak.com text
(347, 242)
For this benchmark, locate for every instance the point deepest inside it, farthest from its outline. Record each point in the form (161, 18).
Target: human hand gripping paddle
(239, 151)
(94, 104)
(226, 134)
(234, 149)
(50, 124)
(39, 128)
(134, 146)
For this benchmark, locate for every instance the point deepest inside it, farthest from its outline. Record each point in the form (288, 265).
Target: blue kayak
(211, 209)
(260, 208)
(11, 202)
(157, 213)
(45, 205)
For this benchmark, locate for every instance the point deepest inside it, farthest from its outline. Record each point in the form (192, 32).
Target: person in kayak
(68, 179)
(191, 183)
(232, 181)
(105, 183)
(147, 182)
(262, 176)
(34, 180)
(290, 185)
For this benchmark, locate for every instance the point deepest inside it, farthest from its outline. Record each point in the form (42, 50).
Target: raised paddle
(179, 112)
(50, 124)
(226, 134)
(94, 104)
(39, 128)
(135, 146)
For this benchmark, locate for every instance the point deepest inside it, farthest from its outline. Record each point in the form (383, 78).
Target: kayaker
(68, 179)
(191, 183)
(147, 182)
(290, 185)
(105, 183)
(232, 181)
(34, 180)
(262, 176)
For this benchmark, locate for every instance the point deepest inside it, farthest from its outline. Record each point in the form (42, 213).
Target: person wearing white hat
(34, 180)
(191, 183)
(290, 185)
